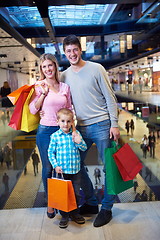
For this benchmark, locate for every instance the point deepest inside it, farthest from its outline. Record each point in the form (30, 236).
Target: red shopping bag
(61, 194)
(15, 121)
(13, 96)
(127, 162)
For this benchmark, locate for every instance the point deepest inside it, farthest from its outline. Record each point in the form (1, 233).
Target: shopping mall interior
(121, 35)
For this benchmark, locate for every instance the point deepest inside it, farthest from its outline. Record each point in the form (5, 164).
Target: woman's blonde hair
(51, 57)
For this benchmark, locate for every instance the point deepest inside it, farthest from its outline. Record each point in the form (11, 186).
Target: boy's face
(65, 122)
(73, 54)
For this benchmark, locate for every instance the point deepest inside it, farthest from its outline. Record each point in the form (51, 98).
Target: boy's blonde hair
(64, 111)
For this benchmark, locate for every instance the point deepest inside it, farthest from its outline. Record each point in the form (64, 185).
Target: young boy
(63, 153)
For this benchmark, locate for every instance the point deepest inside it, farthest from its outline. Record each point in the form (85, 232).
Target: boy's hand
(76, 137)
(58, 170)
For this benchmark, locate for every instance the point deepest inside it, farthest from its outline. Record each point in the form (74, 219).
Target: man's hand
(114, 133)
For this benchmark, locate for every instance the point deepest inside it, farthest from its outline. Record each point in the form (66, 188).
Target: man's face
(73, 54)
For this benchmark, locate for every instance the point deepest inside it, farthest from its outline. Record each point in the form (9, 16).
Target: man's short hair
(70, 40)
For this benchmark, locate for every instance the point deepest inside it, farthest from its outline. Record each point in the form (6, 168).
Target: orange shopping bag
(61, 194)
(13, 96)
(15, 121)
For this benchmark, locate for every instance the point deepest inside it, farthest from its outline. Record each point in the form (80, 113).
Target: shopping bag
(61, 194)
(29, 121)
(15, 121)
(127, 162)
(115, 183)
(13, 96)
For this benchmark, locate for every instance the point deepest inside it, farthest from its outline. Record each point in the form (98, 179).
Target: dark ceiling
(136, 17)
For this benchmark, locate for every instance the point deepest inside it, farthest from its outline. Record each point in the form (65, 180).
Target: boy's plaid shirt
(64, 153)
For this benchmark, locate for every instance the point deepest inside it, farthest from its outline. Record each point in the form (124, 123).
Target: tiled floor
(131, 221)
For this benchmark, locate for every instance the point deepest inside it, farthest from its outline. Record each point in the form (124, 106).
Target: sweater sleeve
(34, 99)
(109, 95)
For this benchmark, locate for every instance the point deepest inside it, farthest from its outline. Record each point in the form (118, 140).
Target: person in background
(144, 196)
(137, 198)
(97, 118)
(7, 154)
(97, 175)
(131, 125)
(140, 84)
(63, 153)
(50, 96)
(4, 91)
(144, 145)
(5, 180)
(127, 127)
(152, 144)
(1, 156)
(35, 162)
(135, 184)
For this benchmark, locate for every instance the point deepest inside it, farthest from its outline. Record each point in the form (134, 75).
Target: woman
(132, 126)
(49, 97)
(4, 91)
(127, 127)
(144, 145)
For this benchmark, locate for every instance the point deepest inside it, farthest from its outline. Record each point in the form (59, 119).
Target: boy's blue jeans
(97, 133)
(42, 141)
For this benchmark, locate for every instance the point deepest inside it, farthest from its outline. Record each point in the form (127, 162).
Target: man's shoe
(88, 209)
(103, 217)
(64, 222)
(77, 218)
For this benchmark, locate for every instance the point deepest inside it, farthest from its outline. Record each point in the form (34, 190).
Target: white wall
(3, 76)
(19, 79)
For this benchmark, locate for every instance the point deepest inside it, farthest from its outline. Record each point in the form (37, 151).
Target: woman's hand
(44, 88)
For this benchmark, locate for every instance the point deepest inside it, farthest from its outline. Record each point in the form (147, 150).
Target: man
(35, 161)
(152, 143)
(96, 111)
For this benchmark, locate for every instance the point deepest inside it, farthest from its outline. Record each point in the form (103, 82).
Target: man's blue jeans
(42, 141)
(97, 133)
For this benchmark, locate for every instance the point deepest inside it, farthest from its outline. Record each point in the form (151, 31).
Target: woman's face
(48, 69)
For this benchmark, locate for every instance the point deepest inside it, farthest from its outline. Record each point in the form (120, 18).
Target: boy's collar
(61, 131)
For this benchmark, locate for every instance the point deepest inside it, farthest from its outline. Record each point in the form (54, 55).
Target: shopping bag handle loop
(58, 175)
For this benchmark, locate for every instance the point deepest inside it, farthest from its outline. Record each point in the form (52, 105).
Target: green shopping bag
(115, 183)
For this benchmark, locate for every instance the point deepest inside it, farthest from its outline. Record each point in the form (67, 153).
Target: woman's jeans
(42, 141)
(98, 133)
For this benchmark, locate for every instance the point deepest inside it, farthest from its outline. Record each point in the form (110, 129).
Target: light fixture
(83, 43)
(3, 55)
(129, 41)
(122, 44)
